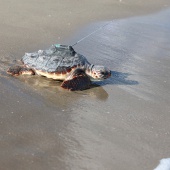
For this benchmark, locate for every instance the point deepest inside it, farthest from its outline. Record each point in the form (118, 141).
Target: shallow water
(121, 124)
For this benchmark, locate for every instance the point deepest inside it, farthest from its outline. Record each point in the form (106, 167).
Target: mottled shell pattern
(57, 59)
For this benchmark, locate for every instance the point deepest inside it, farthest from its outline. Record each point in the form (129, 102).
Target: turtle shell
(58, 59)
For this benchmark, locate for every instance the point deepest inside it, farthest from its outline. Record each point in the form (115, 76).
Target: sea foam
(164, 164)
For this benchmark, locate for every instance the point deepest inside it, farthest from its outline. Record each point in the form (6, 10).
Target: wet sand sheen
(28, 26)
(123, 123)
(131, 127)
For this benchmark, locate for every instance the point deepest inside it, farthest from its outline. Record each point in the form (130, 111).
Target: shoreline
(122, 123)
(37, 25)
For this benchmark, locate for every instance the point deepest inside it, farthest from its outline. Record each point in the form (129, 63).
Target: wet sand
(121, 123)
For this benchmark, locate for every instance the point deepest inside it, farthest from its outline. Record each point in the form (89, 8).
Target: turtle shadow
(49, 88)
(117, 78)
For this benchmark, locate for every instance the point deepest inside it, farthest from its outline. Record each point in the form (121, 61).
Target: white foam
(164, 164)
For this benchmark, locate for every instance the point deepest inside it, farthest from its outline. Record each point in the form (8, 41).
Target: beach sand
(121, 123)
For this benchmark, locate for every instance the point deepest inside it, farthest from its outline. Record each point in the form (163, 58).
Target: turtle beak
(107, 75)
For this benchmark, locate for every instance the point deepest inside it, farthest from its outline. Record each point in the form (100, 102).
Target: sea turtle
(61, 62)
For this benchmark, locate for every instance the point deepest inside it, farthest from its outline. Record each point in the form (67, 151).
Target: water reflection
(51, 90)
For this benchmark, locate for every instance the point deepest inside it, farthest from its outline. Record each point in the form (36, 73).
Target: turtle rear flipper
(18, 70)
(78, 80)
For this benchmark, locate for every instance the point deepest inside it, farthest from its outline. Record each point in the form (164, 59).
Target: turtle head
(99, 72)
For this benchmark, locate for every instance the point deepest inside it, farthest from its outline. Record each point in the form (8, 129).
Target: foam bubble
(164, 164)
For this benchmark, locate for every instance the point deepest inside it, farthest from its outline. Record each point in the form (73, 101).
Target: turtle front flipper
(78, 80)
(18, 70)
